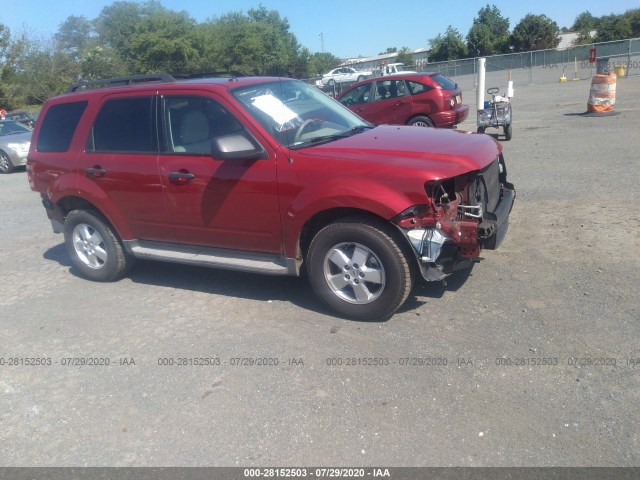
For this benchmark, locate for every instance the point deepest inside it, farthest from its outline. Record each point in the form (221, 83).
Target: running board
(264, 263)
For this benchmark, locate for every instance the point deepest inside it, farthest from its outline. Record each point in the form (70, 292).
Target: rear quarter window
(59, 125)
(444, 82)
(416, 88)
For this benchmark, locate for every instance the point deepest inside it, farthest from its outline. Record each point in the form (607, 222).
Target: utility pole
(321, 42)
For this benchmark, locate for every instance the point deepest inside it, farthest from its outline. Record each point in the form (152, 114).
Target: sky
(349, 28)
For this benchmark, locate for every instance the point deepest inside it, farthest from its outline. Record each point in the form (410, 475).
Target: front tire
(358, 269)
(94, 248)
(5, 163)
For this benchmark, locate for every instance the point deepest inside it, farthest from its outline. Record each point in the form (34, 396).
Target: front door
(217, 203)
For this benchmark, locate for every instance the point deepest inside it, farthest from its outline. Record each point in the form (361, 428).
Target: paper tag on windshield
(274, 108)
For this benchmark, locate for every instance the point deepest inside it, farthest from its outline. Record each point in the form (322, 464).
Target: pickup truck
(391, 69)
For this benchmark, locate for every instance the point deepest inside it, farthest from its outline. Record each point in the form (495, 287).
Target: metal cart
(496, 114)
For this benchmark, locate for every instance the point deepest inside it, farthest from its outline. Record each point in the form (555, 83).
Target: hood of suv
(441, 153)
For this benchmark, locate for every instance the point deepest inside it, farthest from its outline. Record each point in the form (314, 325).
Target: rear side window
(58, 126)
(444, 82)
(124, 125)
(416, 88)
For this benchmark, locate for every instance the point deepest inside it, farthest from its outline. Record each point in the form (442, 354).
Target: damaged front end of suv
(466, 214)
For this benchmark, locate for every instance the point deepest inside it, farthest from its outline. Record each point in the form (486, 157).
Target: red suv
(420, 99)
(264, 175)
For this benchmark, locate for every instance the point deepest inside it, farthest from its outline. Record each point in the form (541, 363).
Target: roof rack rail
(119, 81)
(218, 74)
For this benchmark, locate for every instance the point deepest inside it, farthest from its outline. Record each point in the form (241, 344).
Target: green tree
(489, 34)
(259, 42)
(101, 62)
(73, 35)
(164, 41)
(43, 71)
(584, 22)
(449, 46)
(389, 50)
(535, 32)
(117, 22)
(634, 20)
(405, 56)
(613, 27)
(320, 63)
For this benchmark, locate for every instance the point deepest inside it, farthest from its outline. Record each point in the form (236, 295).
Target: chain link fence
(542, 66)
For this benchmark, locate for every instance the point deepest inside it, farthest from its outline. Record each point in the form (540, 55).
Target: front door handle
(181, 177)
(96, 172)
(399, 103)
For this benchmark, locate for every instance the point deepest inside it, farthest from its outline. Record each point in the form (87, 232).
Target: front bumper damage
(460, 229)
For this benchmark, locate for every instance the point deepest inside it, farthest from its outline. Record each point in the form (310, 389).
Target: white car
(342, 75)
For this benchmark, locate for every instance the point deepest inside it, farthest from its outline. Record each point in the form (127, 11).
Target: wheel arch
(321, 219)
(69, 203)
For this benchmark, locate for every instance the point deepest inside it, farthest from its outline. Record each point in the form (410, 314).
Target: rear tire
(508, 131)
(421, 122)
(358, 269)
(94, 248)
(5, 163)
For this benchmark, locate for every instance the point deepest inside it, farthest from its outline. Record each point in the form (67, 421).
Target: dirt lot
(527, 360)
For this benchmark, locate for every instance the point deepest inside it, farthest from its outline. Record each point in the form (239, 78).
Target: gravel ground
(534, 349)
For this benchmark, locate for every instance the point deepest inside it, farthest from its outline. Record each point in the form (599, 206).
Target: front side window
(357, 95)
(191, 123)
(124, 125)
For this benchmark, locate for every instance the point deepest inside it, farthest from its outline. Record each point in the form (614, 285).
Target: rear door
(120, 166)
(213, 202)
(390, 102)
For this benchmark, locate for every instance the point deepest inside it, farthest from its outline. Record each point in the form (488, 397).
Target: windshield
(10, 127)
(298, 115)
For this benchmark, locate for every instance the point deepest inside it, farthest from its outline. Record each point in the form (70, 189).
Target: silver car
(15, 140)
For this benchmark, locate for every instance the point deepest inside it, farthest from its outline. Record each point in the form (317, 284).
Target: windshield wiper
(331, 138)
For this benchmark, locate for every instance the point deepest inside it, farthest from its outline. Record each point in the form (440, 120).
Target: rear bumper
(451, 117)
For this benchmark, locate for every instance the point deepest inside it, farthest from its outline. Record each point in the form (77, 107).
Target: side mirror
(236, 146)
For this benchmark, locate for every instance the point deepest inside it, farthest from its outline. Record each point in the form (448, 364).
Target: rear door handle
(399, 103)
(96, 172)
(361, 109)
(181, 177)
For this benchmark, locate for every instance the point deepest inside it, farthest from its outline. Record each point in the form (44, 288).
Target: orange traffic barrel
(603, 93)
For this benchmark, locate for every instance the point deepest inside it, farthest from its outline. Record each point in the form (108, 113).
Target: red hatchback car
(420, 99)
